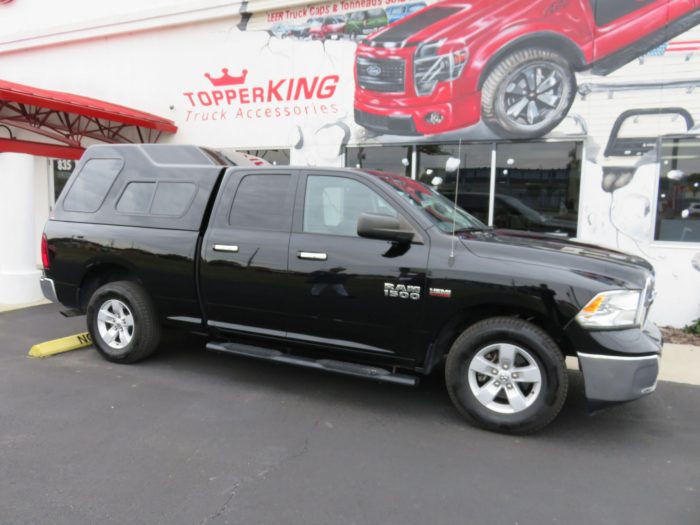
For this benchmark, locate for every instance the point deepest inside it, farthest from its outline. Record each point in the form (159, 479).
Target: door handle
(314, 256)
(231, 248)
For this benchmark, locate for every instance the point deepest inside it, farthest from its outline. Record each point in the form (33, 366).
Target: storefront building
(574, 118)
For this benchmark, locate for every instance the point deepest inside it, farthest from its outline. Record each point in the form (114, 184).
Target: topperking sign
(236, 97)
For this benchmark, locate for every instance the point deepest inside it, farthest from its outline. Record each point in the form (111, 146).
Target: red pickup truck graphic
(510, 63)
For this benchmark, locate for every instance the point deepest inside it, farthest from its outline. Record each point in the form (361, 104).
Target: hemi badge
(440, 292)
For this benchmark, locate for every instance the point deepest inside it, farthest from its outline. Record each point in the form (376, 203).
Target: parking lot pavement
(191, 437)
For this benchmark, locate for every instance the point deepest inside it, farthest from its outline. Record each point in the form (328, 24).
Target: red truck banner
(516, 69)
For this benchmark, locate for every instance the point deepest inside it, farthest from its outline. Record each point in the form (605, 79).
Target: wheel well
(455, 326)
(99, 275)
(549, 41)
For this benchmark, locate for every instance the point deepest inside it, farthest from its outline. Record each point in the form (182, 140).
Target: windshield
(440, 210)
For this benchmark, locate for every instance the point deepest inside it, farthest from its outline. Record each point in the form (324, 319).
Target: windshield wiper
(473, 229)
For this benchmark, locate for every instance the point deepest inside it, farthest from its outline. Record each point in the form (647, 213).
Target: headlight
(429, 68)
(613, 309)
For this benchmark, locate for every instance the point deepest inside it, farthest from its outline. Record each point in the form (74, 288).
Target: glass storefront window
(391, 159)
(474, 174)
(537, 187)
(537, 183)
(678, 201)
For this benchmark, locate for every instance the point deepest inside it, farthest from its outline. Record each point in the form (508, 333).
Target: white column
(492, 184)
(19, 275)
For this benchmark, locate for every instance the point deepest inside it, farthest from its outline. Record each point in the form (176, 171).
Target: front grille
(649, 294)
(650, 291)
(384, 75)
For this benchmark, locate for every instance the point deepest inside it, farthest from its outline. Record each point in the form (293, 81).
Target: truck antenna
(451, 259)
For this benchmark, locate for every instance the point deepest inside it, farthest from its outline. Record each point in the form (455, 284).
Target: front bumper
(616, 378)
(407, 115)
(48, 289)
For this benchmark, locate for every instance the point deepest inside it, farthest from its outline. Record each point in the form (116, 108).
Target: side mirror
(384, 227)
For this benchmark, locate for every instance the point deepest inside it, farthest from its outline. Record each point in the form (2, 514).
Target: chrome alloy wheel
(115, 324)
(532, 96)
(505, 378)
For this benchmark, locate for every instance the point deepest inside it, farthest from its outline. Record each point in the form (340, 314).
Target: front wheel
(122, 322)
(527, 94)
(507, 375)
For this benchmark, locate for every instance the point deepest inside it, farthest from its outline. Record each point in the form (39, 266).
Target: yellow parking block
(58, 346)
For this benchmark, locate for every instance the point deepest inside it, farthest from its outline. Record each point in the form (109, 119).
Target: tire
(518, 406)
(524, 72)
(135, 334)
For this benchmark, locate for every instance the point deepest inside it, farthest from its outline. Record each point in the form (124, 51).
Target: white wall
(41, 203)
(19, 276)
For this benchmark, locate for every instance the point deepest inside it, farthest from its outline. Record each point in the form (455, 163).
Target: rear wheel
(528, 93)
(507, 375)
(122, 322)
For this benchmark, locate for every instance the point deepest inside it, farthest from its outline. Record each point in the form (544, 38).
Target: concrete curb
(59, 346)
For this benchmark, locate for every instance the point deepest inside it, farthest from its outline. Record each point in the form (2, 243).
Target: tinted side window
(157, 198)
(136, 197)
(173, 198)
(89, 190)
(261, 203)
(333, 205)
(607, 11)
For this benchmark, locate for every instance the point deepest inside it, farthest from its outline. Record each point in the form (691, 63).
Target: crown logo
(227, 80)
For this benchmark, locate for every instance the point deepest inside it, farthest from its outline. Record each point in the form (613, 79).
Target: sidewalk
(680, 364)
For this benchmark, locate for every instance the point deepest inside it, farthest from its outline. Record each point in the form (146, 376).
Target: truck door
(621, 23)
(353, 293)
(244, 254)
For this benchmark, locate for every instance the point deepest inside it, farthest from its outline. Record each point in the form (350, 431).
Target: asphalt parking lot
(191, 437)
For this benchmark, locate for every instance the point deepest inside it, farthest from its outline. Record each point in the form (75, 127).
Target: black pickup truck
(356, 272)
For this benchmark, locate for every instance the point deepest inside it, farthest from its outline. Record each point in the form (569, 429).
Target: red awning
(66, 119)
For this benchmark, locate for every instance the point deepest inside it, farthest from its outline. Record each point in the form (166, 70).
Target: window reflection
(391, 159)
(277, 157)
(537, 183)
(474, 173)
(678, 203)
(538, 186)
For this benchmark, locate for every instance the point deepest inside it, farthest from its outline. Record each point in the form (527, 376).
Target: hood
(612, 268)
(450, 19)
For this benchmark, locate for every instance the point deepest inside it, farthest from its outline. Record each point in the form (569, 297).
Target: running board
(328, 365)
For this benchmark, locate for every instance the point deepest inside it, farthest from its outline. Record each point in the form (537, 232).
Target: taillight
(45, 253)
